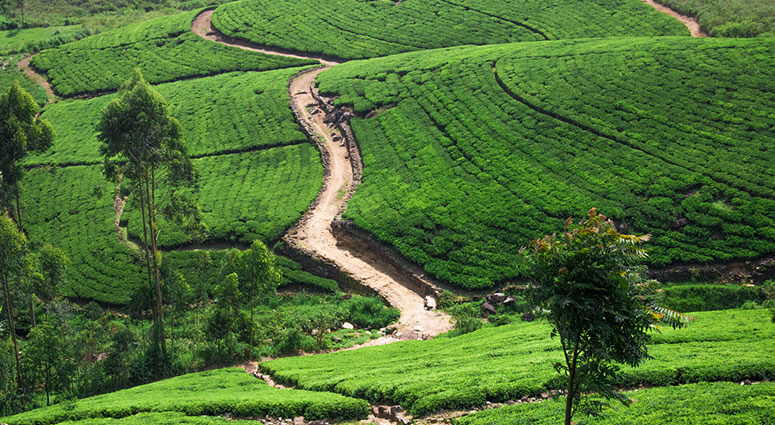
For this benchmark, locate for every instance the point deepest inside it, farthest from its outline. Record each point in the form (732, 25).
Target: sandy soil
(691, 23)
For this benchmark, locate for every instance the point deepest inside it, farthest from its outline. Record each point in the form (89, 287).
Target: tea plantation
(353, 29)
(12, 72)
(164, 48)
(207, 393)
(722, 403)
(232, 112)
(480, 149)
(242, 196)
(508, 362)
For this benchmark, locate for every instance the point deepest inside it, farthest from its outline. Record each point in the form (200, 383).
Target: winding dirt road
(691, 23)
(313, 234)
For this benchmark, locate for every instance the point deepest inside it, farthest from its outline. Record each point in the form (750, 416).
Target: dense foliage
(508, 362)
(352, 29)
(160, 418)
(207, 393)
(724, 403)
(478, 150)
(730, 18)
(164, 49)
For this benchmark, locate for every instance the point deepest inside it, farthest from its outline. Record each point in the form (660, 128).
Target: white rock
(347, 325)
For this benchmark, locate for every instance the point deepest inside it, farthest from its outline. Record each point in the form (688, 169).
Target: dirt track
(33, 75)
(314, 231)
(691, 23)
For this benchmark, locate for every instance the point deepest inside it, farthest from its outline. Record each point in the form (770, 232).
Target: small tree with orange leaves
(602, 307)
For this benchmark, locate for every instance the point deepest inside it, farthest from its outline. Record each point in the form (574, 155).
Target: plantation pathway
(314, 234)
(203, 27)
(691, 23)
(33, 75)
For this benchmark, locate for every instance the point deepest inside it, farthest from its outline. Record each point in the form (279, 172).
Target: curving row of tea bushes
(72, 208)
(248, 196)
(722, 403)
(213, 393)
(353, 29)
(159, 418)
(163, 48)
(224, 113)
(242, 197)
(508, 362)
(480, 149)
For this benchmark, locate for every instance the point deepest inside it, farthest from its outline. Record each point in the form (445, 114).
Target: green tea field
(341, 212)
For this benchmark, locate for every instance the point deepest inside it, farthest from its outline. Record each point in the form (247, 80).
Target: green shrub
(370, 312)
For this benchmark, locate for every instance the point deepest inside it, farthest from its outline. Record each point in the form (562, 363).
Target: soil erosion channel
(314, 231)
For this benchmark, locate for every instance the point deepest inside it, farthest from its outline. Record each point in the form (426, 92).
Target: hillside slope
(470, 152)
(352, 29)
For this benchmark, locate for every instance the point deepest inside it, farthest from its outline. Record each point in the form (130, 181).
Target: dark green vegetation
(730, 18)
(206, 393)
(481, 149)
(12, 72)
(713, 404)
(164, 49)
(508, 362)
(35, 39)
(352, 29)
(705, 297)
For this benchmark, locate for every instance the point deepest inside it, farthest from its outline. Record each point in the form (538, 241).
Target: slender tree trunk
(33, 320)
(8, 311)
(250, 349)
(18, 210)
(571, 385)
(146, 249)
(157, 275)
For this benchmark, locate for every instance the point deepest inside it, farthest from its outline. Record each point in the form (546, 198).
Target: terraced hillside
(470, 152)
(352, 29)
(258, 175)
(163, 48)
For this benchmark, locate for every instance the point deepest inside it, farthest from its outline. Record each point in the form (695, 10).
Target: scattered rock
(528, 317)
(336, 339)
(681, 222)
(496, 298)
(488, 308)
(299, 420)
(348, 325)
(430, 303)
(314, 332)
(510, 301)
